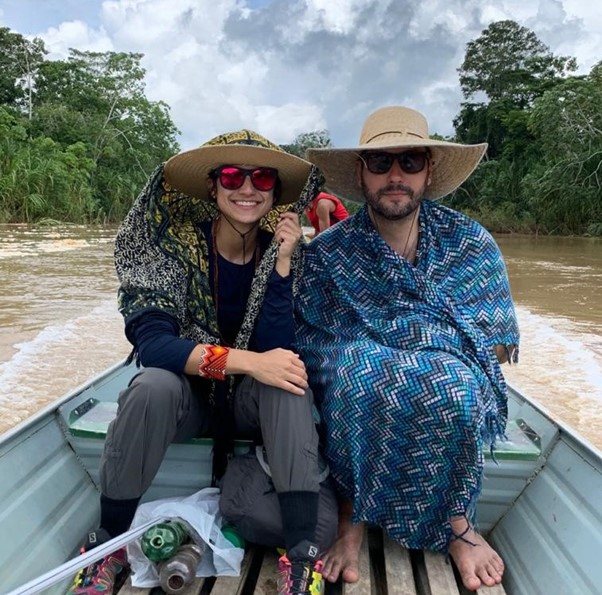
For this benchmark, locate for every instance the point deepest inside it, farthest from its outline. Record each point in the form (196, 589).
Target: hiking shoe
(299, 577)
(102, 576)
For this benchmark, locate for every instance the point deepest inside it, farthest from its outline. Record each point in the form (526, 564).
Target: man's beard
(395, 211)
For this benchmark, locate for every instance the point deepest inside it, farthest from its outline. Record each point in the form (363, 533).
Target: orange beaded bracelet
(213, 362)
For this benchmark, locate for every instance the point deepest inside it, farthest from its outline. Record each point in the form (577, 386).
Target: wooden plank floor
(386, 568)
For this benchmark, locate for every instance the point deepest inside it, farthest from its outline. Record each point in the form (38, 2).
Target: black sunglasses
(410, 162)
(232, 177)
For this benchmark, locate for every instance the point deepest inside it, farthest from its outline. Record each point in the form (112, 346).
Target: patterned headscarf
(161, 259)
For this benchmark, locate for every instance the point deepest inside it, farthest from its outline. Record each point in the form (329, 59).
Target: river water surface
(59, 324)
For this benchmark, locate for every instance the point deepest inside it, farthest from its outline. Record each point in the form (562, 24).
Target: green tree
(39, 179)
(101, 96)
(478, 123)
(308, 140)
(504, 73)
(19, 61)
(99, 99)
(566, 187)
(507, 67)
(12, 138)
(78, 137)
(509, 62)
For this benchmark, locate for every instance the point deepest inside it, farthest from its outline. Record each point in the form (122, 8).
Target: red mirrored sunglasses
(232, 177)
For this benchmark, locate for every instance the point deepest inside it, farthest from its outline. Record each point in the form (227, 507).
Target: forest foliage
(79, 137)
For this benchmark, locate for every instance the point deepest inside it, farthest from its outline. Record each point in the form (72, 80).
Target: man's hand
(501, 351)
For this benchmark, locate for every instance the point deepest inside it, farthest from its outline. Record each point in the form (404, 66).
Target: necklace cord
(243, 236)
(216, 256)
(404, 253)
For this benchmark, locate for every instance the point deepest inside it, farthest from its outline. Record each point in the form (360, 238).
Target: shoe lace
(99, 571)
(84, 578)
(297, 578)
(85, 575)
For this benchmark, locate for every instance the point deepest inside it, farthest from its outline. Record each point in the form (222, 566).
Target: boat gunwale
(53, 406)
(567, 433)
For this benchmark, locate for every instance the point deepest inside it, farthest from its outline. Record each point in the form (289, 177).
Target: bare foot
(478, 564)
(342, 559)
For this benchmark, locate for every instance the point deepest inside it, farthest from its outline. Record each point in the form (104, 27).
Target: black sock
(116, 515)
(299, 516)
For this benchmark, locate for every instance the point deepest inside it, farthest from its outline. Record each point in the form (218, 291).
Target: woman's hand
(288, 233)
(278, 367)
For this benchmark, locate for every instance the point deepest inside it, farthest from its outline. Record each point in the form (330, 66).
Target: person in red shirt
(325, 210)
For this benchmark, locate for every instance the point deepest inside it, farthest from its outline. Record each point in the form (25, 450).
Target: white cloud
(299, 118)
(77, 35)
(433, 14)
(284, 67)
(154, 25)
(337, 16)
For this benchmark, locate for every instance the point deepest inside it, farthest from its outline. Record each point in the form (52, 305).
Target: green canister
(162, 541)
(233, 536)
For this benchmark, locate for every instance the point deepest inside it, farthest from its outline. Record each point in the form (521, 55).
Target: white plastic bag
(201, 512)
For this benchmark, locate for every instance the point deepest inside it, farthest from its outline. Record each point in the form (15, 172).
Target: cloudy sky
(283, 67)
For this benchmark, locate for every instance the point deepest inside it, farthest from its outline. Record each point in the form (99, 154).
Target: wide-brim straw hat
(392, 128)
(188, 171)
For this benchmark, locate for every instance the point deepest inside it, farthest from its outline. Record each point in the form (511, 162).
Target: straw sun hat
(188, 171)
(394, 128)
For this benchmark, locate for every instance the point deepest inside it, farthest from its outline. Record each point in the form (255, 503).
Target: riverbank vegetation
(78, 137)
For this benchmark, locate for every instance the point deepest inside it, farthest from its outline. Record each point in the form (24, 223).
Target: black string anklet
(461, 537)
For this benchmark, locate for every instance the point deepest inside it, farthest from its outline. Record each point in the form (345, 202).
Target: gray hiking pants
(160, 407)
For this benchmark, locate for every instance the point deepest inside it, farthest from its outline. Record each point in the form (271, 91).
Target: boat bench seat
(91, 419)
(386, 568)
(187, 467)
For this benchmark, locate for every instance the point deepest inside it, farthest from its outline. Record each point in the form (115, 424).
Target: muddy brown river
(59, 324)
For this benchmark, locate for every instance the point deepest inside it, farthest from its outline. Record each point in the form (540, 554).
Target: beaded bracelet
(213, 362)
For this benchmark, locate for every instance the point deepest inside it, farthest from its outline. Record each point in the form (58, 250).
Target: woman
(207, 259)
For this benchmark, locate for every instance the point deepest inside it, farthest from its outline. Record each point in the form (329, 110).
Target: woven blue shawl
(401, 361)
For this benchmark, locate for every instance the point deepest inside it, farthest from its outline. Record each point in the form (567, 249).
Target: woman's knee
(156, 389)
(254, 396)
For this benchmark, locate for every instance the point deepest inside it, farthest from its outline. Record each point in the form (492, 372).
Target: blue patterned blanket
(401, 360)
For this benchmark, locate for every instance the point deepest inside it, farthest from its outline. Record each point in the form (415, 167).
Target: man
(325, 210)
(403, 311)
(207, 262)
